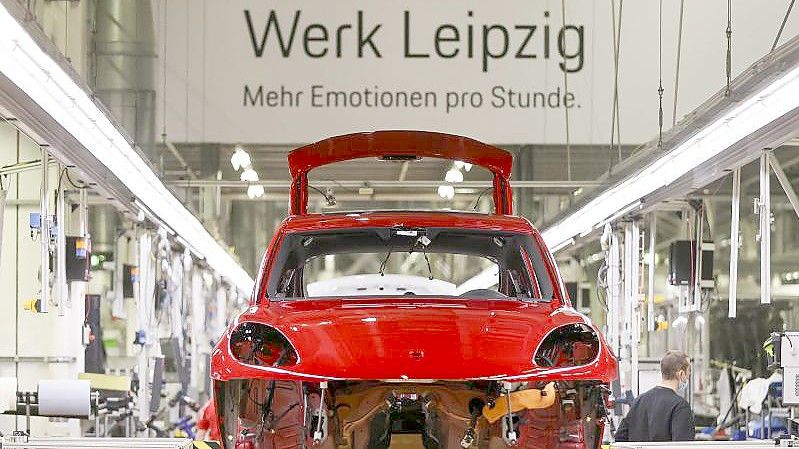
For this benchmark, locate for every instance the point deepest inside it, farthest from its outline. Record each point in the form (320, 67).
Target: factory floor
(406, 441)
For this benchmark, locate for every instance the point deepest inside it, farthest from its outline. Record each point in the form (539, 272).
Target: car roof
(444, 219)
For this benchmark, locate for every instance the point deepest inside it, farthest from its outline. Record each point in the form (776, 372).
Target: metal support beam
(21, 167)
(735, 242)
(44, 237)
(4, 188)
(784, 182)
(630, 326)
(610, 244)
(699, 232)
(764, 204)
(403, 171)
(61, 292)
(83, 213)
(36, 359)
(381, 184)
(650, 294)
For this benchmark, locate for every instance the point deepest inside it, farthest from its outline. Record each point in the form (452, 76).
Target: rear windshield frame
(290, 252)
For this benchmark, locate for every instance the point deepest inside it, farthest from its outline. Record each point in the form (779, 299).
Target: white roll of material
(8, 394)
(64, 397)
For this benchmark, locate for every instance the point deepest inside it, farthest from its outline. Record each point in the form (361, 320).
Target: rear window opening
(397, 273)
(391, 262)
(338, 186)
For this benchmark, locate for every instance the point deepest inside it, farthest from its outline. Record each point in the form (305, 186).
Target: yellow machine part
(32, 305)
(521, 400)
(106, 381)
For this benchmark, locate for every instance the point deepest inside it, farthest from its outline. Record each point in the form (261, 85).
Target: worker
(661, 414)
(207, 424)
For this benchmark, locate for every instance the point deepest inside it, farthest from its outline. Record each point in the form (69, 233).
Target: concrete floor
(407, 441)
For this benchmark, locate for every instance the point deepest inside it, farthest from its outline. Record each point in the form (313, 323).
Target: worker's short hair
(672, 362)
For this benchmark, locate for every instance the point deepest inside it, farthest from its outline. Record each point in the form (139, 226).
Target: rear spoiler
(400, 145)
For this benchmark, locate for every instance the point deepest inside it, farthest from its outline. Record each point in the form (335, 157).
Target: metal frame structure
(631, 332)
(394, 184)
(44, 236)
(735, 242)
(763, 209)
(756, 444)
(95, 443)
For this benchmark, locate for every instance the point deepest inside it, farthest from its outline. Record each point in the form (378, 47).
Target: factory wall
(34, 337)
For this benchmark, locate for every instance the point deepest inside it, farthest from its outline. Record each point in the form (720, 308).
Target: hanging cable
(660, 77)
(66, 31)
(75, 185)
(677, 69)
(782, 26)
(615, 132)
(163, 75)
(729, 47)
(562, 42)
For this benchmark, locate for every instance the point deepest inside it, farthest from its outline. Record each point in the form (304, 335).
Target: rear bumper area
(264, 413)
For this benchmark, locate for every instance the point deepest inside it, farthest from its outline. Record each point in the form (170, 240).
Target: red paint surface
(411, 219)
(383, 338)
(385, 144)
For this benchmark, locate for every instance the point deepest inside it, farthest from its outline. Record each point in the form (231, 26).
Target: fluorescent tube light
(762, 108)
(47, 84)
(757, 111)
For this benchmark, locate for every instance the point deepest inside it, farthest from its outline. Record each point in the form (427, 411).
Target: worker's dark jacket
(658, 415)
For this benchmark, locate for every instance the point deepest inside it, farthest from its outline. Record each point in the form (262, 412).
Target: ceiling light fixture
(453, 175)
(255, 191)
(446, 191)
(43, 80)
(744, 118)
(249, 175)
(750, 115)
(240, 158)
(463, 166)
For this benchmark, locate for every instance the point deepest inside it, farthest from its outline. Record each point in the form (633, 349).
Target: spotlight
(240, 159)
(446, 191)
(463, 165)
(453, 175)
(249, 175)
(255, 191)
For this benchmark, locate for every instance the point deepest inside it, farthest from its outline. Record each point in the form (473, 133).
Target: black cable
(69, 178)
(342, 187)
(424, 253)
(429, 268)
(480, 196)
(385, 261)
(782, 27)
(734, 402)
(324, 195)
(660, 77)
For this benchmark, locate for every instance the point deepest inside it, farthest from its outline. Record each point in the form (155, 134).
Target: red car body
(448, 363)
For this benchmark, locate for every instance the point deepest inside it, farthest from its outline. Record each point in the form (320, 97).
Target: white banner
(293, 72)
